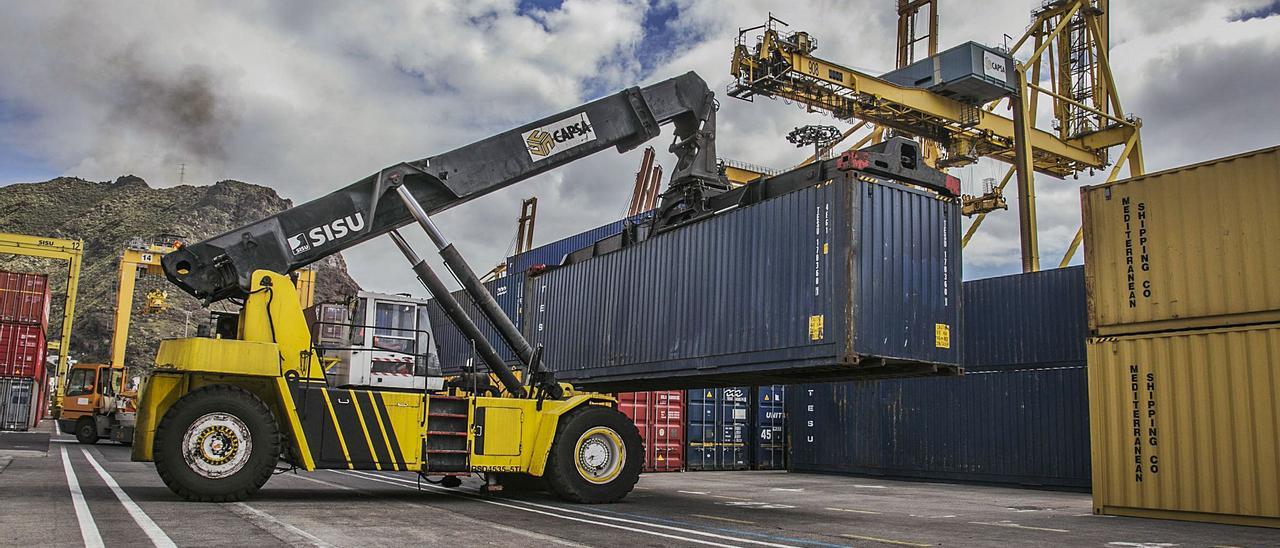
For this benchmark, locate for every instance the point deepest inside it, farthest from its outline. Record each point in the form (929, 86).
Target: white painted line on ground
(534, 507)
(269, 522)
(56, 428)
(1013, 525)
(870, 486)
(88, 528)
(852, 510)
(886, 540)
(153, 531)
(693, 492)
(718, 518)
(727, 497)
(788, 489)
(303, 476)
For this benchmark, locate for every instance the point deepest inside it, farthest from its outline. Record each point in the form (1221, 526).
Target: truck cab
(98, 403)
(376, 340)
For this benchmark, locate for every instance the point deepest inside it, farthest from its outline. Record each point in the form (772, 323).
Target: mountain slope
(107, 216)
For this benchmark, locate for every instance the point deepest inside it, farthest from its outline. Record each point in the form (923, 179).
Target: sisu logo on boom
(325, 233)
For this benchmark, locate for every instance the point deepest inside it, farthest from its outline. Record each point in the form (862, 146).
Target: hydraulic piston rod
(454, 311)
(470, 282)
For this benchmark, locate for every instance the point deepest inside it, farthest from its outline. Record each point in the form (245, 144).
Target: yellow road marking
(334, 415)
(1013, 525)
(373, 453)
(718, 518)
(885, 540)
(852, 510)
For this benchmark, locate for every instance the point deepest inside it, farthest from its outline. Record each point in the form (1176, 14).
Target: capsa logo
(556, 137)
(325, 233)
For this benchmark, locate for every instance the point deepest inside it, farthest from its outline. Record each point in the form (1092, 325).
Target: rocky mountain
(108, 216)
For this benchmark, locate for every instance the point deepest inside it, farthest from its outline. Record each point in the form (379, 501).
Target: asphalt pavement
(55, 492)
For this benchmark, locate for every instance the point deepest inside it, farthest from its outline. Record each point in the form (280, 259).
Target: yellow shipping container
(1192, 247)
(1186, 425)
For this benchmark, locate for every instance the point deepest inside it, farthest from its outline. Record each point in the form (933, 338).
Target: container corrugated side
(837, 280)
(1025, 319)
(24, 298)
(1186, 425)
(1011, 426)
(769, 427)
(716, 429)
(454, 348)
(22, 350)
(19, 398)
(659, 415)
(553, 253)
(1188, 248)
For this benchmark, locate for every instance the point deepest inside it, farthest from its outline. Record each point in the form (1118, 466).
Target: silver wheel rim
(217, 445)
(600, 455)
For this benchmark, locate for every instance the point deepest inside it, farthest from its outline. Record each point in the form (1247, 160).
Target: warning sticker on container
(941, 335)
(815, 327)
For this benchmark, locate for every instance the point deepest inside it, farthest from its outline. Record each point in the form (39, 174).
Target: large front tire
(218, 443)
(596, 456)
(86, 431)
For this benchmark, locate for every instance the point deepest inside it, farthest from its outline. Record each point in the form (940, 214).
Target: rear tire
(219, 443)
(596, 456)
(86, 431)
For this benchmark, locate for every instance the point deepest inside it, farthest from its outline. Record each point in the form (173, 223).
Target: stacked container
(717, 429)
(24, 321)
(1019, 415)
(659, 415)
(1184, 366)
(769, 428)
(454, 348)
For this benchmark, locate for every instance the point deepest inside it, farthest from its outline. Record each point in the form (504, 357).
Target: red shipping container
(24, 298)
(22, 351)
(659, 415)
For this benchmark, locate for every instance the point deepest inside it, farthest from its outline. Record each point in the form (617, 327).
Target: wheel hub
(601, 455)
(217, 445)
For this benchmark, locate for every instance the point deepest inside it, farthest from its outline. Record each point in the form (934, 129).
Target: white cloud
(309, 96)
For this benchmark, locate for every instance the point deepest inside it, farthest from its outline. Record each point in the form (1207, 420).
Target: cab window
(394, 325)
(81, 382)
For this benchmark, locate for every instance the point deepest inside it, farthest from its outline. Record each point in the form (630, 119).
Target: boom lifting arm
(222, 267)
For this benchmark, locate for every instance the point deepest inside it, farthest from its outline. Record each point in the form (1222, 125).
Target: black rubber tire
(218, 398)
(86, 431)
(562, 474)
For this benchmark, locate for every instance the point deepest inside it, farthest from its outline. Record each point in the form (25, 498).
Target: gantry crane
(71, 251)
(1070, 41)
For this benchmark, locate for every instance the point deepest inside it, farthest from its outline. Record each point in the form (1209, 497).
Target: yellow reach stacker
(218, 415)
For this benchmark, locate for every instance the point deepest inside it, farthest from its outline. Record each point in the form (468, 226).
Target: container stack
(24, 322)
(717, 429)
(659, 415)
(1184, 363)
(1019, 415)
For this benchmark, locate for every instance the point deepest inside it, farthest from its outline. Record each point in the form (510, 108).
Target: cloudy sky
(309, 96)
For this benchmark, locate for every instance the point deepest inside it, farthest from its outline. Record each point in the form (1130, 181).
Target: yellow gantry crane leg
(71, 251)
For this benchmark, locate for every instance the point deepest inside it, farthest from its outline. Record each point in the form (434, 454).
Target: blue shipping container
(716, 429)
(553, 253)
(454, 348)
(769, 427)
(852, 277)
(1015, 426)
(1025, 319)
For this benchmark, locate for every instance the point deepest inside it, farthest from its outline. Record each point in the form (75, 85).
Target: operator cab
(376, 340)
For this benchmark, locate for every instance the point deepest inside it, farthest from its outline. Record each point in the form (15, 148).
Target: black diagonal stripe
(352, 434)
(322, 438)
(370, 413)
(391, 429)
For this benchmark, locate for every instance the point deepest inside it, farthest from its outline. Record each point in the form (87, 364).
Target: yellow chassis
(375, 429)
